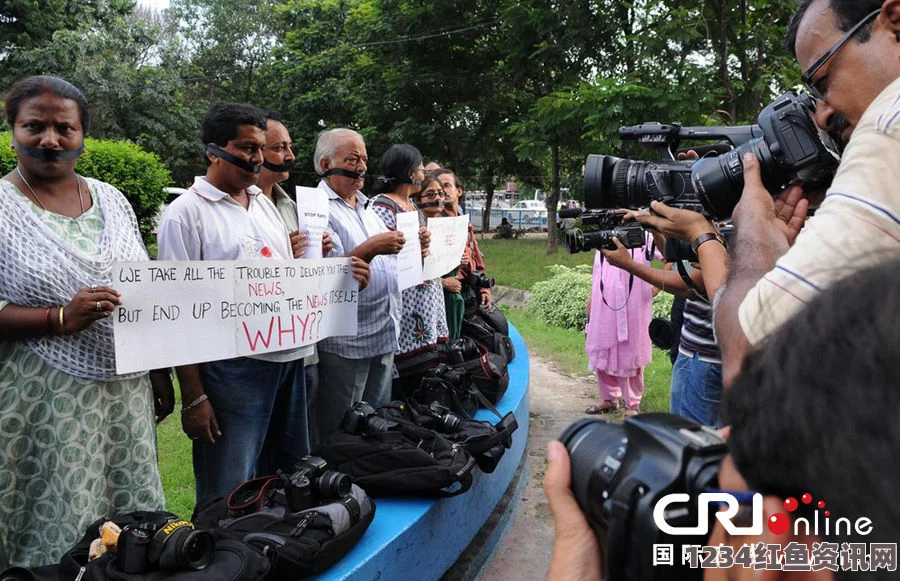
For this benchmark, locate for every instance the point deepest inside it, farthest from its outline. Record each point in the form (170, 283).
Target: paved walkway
(557, 400)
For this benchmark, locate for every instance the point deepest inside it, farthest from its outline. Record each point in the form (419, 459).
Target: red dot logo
(806, 498)
(266, 252)
(821, 504)
(827, 513)
(790, 504)
(778, 524)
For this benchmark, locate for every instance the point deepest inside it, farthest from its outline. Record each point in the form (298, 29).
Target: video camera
(620, 473)
(787, 143)
(598, 228)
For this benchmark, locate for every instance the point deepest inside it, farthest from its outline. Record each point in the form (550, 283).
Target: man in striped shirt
(360, 367)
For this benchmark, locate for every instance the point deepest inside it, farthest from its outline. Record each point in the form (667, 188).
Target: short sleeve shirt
(856, 226)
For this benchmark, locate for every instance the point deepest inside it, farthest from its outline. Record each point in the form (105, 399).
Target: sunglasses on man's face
(432, 194)
(829, 54)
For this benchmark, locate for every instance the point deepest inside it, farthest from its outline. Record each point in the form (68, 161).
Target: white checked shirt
(379, 303)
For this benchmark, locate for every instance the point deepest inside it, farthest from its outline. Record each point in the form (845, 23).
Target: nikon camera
(169, 545)
(311, 483)
(787, 143)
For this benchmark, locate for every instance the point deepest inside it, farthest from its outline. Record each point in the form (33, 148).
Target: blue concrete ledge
(422, 538)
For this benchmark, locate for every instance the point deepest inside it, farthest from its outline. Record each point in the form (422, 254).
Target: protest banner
(409, 260)
(312, 213)
(448, 242)
(176, 313)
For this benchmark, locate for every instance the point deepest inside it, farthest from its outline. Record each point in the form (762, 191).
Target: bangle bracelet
(194, 403)
(62, 320)
(47, 320)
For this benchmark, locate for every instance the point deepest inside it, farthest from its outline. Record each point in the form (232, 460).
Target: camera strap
(682, 272)
(603, 294)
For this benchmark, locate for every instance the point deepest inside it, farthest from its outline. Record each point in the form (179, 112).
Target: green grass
(565, 348)
(175, 464)
(521, 263)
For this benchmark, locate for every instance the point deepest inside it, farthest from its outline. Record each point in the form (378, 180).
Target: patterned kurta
(424, 319)
(71, 450)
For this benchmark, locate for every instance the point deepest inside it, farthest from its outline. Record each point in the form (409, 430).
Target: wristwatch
(706, 237)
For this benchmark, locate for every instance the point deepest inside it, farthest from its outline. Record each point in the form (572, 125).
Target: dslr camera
(620, 473)
(362, 419)
(598, 228)
(311, 483)
(786, 141)
(477, 279)
(168, 545)
(447, 422)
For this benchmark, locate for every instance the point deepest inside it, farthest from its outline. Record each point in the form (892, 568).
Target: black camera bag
(486, 442)
(451, 387)
(234, 561)
(297, 544)
(407, 459)
(489, 374)
(474, 326)
(496, 319)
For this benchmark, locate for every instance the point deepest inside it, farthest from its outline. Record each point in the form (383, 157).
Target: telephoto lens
(620, 472)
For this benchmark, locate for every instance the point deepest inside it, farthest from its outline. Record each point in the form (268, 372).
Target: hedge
(560, 301)
(139, 174)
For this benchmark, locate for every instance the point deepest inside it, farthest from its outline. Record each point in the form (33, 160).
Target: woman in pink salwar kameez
(618, 343)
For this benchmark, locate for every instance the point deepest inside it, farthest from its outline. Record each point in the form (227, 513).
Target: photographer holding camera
(784, 444)
(850, 55)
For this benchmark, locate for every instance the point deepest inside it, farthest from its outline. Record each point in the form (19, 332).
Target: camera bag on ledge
(303, 522)
(390, 457)
(475, 326)
(152, 546)
(486, 442)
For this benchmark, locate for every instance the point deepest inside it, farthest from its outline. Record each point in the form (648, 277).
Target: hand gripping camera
(787, 143)
(620, 472)
(168, 545)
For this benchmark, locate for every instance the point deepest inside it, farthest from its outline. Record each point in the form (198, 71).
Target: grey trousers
(343, 382)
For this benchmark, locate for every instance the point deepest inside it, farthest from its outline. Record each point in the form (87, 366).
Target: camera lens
(450, 423)
(196, 550)
(593, 446)
(333, 484)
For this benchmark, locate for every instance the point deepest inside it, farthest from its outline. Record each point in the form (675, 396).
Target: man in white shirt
(247, 416)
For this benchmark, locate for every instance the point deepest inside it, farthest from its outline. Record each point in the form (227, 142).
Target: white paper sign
(312, 213)
(176, 313)
(448, 242)
(409, 260)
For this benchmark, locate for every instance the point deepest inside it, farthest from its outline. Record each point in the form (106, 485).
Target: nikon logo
(175, 524)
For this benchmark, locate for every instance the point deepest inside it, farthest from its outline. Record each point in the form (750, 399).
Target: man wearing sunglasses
(849, 51)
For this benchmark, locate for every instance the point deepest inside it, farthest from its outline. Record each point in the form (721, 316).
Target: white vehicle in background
(530, 208)
(171, 194)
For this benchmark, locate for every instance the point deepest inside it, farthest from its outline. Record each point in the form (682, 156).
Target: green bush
(662, 304)
(140, 175)
(560, 301)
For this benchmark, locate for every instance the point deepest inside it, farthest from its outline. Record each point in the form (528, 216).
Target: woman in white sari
(77, 441)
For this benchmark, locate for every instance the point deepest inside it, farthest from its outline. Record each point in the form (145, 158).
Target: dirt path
(556, 401)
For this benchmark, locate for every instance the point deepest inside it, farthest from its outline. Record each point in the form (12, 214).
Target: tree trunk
(488, 200)
(553, 201)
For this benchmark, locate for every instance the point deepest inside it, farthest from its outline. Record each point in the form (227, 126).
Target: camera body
(447, 421)
(169, 545)
(460, 350)
(598, 228)
(311, 482)
(620, 472)
(477, 279)
(786, 141)
(362, 419)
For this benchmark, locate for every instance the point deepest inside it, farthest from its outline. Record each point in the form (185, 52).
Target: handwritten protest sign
(312, 212)
(448, 242)
(409, 260)
(176, 313)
